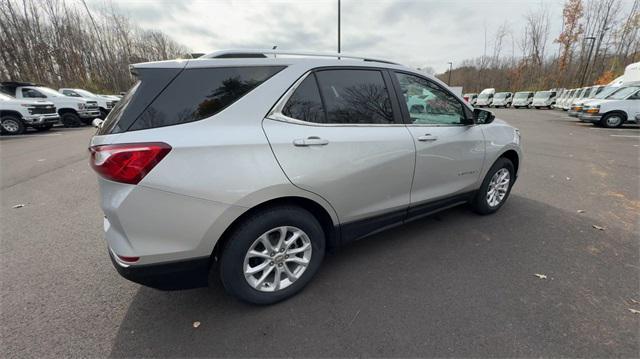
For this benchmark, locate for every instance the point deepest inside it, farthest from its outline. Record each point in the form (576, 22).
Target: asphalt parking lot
(452, 285)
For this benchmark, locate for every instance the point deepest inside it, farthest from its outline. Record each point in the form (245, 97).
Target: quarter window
(355, 97)
(200, 93)
(428, 103)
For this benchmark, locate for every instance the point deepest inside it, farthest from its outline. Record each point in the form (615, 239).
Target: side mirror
(97, 122)
(483, 117)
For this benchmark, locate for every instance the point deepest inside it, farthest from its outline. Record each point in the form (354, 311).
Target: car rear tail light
(127, 163)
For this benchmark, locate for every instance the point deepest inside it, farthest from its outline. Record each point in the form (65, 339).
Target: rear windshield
(164, 99)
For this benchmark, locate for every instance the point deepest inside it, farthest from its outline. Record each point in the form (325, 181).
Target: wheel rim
(277, 259)
(10, 126)
(613, 121)
(498, 187)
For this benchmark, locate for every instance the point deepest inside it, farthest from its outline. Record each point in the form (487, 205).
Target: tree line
(60, 43)
(598, 39)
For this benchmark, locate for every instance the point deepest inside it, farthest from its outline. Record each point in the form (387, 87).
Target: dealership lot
(454, 284)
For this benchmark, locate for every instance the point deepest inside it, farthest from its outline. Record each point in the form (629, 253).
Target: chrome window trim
(277, 115)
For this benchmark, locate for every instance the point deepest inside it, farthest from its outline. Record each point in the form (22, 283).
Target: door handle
(310, 141)
(427, 138)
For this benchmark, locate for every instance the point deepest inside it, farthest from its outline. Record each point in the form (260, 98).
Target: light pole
(338, 26)
(586, 67)
(450, 68)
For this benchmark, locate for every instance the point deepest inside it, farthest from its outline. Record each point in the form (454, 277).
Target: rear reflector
(129, 162)
(128, 259)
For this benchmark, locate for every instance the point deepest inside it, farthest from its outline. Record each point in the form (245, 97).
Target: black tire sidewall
(603, 121)
(69, 119)
(480, 204)
(232, 257)
(21, 126)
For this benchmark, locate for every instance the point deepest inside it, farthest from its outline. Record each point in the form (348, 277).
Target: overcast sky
(417, 33)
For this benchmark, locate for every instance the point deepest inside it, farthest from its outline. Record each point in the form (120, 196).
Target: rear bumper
(188, 274)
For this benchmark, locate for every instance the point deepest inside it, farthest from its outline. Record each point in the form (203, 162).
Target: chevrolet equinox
(251, 165)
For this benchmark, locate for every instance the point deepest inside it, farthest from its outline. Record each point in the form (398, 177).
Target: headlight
(592, 109)
(82, 106)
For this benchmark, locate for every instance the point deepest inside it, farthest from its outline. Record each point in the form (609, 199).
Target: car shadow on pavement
(530, 280)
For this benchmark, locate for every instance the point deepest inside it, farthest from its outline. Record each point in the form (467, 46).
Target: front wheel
(612, 120)
(11, 125)
(272, 255)
(495, 188)
(70, 119)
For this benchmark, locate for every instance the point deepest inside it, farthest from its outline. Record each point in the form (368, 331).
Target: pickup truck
(73, 111)
(16, 115)
(105, 102)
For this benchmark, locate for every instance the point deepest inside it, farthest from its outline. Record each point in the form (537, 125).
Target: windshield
(49, 92)
(5, 97)
(606, 92)
(483, 96)
(624, 93)
(84, 93)
(543, 94)
(501, 95)
(584, 93)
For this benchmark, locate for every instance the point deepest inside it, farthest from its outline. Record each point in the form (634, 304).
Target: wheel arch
(62, 111)
(512, 156)
(329, 226)
(624, 115)
(11, 113)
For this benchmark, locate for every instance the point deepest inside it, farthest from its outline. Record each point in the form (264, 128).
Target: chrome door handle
(310, 141)
(427, 138)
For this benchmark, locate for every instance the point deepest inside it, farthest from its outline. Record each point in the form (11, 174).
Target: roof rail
(257, 53)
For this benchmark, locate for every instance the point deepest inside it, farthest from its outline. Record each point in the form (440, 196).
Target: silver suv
(251, 166)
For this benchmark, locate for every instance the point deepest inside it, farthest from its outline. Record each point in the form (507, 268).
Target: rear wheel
(11, 125)
(495, 188)
(612, 120)
(70, 119)
(272, 255)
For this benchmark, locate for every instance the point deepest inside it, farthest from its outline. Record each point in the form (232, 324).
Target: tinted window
(305, 104)
(355, 97)
(31, 93)
(428, 103)
(196, 94)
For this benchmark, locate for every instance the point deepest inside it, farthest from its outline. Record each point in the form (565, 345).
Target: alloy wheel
(10, 126)
(498, 187)
(277, 259)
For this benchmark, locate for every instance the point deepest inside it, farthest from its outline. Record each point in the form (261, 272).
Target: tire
(11, 125)
(481, 202)
(235, 255)
(70, 119)
(612, 120)
(43, 128)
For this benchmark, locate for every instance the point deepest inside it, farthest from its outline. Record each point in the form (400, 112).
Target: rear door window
(355, 97)
(306, 104)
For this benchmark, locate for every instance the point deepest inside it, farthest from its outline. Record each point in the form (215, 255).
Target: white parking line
(35, 136)
(625, 136)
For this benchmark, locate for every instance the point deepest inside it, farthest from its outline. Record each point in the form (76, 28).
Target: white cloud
(417, 33)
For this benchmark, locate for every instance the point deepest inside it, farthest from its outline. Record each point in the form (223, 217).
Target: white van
(485, 98)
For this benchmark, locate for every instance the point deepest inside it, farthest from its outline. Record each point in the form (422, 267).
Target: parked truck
(73, 111)
(105, 102)
(17, 114)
